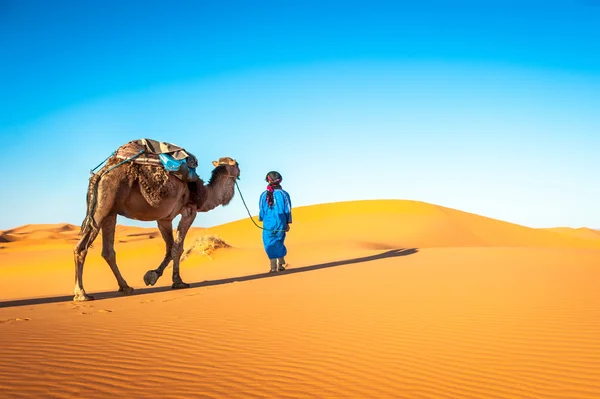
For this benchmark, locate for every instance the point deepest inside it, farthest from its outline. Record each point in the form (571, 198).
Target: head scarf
(274, 179)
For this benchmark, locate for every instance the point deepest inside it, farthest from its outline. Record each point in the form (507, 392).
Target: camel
(131, 190)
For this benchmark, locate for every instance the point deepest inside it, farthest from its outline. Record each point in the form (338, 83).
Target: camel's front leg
(166, 231)
(188, 214)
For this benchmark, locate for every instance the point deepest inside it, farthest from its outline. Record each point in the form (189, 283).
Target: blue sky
(491, 109)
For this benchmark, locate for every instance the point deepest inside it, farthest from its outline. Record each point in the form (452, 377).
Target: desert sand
(383, 299)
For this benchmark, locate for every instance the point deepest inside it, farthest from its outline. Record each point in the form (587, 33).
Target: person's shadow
(143, 291)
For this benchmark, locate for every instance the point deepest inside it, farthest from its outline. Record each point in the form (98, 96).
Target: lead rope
(248, 210)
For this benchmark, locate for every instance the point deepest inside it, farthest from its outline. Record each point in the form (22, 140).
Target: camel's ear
(215, 164)
(232, 162)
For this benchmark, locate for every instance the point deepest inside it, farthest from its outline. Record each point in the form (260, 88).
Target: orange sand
(384, 299)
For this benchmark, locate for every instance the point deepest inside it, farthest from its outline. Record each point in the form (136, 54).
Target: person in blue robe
(276, 214)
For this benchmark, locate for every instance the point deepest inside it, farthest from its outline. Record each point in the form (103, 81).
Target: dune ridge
(581, 232)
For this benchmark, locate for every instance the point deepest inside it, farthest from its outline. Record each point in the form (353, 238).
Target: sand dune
(394, 223)
(384, 299)
(28, 235)
(31, 237)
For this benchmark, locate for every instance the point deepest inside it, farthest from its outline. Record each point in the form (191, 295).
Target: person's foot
(281, 268)
(272, 271)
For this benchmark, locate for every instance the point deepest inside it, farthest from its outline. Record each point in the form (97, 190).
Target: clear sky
(491, 107)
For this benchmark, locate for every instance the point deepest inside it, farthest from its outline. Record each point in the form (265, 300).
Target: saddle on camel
(175, 159)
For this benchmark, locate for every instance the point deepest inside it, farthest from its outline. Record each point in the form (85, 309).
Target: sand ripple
(409, 327)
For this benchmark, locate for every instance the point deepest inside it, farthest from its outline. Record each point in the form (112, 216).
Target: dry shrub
(205, 245)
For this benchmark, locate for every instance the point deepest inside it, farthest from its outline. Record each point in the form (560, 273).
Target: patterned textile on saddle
(174, 159)
(150, 163)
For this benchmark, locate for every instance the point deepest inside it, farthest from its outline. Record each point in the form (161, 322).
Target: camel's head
(228, 166)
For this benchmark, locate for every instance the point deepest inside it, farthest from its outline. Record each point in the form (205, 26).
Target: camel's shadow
(143, 291)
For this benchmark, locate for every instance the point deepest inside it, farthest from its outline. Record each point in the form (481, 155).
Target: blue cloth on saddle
(174, 165)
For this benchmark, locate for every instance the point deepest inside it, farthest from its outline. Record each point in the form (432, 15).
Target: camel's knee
(81, 246)
(87, 237)
(80, 252)
(109, 254)
(176, 251)
(187, 211)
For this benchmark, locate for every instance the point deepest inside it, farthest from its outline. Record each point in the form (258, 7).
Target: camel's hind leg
(87, 238)
(100, 202)
(166, 231)
(109, 254)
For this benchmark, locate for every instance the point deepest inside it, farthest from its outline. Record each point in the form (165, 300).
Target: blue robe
(276, 217)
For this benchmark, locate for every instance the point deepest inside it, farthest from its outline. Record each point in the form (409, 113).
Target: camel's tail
(89, 223)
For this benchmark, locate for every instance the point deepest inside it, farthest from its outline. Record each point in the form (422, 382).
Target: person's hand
(287, 227)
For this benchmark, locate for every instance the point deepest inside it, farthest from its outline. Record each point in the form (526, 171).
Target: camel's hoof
(126, 290)
(82, 298)
(151, 277)
(180, 284)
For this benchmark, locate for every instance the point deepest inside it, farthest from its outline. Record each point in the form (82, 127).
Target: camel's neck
(218, 192)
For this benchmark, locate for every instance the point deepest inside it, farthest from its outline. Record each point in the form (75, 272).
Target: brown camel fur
(147, 192)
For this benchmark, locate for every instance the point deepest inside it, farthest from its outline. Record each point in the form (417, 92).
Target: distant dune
(395, 223)
(40, 232)
(381, 299)
(45, 234)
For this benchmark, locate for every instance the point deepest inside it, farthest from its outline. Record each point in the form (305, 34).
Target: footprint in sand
(78, 306)
(14, 320)
(100, 311)
(144, 302)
